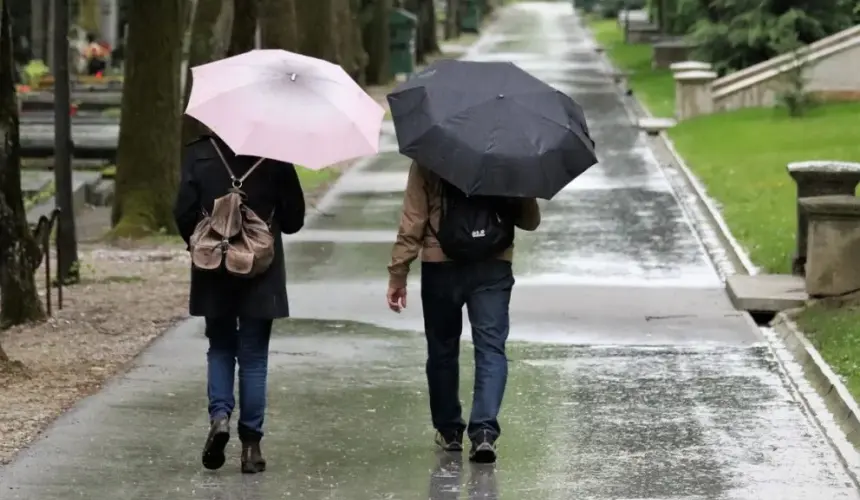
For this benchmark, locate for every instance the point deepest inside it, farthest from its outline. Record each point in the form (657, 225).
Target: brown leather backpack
(233, 236)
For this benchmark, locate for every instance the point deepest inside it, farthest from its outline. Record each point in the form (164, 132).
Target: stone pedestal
(668, 52)
(832, 265)
(693, 93)
(818, 178)
(685, 66)
(642, 33)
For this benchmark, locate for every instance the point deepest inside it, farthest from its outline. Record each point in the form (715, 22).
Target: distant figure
(95, 55)
(239, 300)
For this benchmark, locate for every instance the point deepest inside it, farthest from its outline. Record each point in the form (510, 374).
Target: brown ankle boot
(252, 458)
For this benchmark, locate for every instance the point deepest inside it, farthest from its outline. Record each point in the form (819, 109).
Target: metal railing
(42, 233)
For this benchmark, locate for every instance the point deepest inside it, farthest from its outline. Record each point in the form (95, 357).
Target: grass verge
(741, 158)
(834, 330)
(654, 88)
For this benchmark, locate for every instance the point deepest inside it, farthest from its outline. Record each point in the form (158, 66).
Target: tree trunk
(278, 29)
(38, 24)
(210, 31)
(377, 41)
(244, 32)
(149, 139)
(89, 16)
(352, 57)
(320, 36)
(19, 253)
(429, 41)
(452, 19)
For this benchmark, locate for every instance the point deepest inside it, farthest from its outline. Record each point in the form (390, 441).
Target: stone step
(77, 163)
(81, 118)
(83, 183)
(96, 100)
(34, 182)
(90, 141)
(766, 293)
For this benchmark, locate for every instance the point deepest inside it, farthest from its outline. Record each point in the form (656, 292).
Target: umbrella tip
(293, 77)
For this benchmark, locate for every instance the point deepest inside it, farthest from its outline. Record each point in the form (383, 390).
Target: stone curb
(719, 242)
(827, 384)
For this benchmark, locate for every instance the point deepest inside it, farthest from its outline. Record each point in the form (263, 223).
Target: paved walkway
(631, 375)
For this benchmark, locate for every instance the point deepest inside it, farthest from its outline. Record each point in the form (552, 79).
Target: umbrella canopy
(285, 106)
(490, 128)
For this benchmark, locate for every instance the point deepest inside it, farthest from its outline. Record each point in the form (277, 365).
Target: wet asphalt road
(631, 375)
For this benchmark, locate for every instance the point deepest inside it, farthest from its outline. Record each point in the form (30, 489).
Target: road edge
(729, 258)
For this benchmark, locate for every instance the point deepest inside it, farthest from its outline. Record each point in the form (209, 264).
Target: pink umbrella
(285, 106)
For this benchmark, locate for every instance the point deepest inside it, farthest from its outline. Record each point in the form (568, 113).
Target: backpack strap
(237, 182)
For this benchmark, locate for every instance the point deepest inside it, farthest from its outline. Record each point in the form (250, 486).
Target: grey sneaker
(450, 440)
(483, 448)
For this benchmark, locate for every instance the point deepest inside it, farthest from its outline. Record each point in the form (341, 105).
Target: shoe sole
(454, 447)
(483, 454)
(213, 454)
(255, 470)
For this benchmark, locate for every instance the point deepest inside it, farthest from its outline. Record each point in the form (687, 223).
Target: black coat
(273, 188)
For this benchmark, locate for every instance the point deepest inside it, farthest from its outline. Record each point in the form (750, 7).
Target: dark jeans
(485, 289)
(246, 341)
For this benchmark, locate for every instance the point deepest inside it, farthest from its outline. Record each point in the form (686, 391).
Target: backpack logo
(479, 233)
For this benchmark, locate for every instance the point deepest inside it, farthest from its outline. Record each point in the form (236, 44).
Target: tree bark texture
(19, 252)
(38, 28)
(278, 28)
(89, 16)
(452, 19)
(319, 35)
(149, 139)
(210, 39)
(429, 40)
(353, 58)
(377, 40)
(244, 31)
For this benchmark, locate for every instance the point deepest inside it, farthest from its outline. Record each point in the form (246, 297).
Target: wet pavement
(632, 377)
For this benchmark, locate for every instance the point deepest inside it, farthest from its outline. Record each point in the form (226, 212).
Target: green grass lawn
(313, 180)
(741, 157)
(835, 333)
(654, 88)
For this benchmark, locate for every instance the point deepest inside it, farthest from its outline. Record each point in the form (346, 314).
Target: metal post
(66, 237)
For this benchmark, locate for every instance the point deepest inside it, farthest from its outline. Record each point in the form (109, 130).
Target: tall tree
(352, 57)
(319, 33)
(89, 16)
(377, 40)
(38, 24)
(278, 29)
(149, 139)
(452, 19)
(429, 41)
(19, 252)
(244, 32)
(210, 39)
(67, 240)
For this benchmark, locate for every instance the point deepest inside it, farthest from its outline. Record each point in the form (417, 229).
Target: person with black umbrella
(487, 139)
(466, 247)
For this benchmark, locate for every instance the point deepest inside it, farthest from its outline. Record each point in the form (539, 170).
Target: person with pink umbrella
(268, 110)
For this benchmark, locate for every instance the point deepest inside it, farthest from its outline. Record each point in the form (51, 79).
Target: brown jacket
(422, 206)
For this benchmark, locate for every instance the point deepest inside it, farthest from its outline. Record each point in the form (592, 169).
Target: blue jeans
(485, 289)
(246, 341)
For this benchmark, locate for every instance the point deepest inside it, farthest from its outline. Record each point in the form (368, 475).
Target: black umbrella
(490, 128)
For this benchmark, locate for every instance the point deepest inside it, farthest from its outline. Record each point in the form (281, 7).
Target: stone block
(818, 178)
(693, 96)
(642, 33)
(833, 247)
(766, 293)
(653, 126)
(668, 52)
(685, 66)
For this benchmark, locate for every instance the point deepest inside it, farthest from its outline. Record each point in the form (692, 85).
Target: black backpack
(473, 228)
